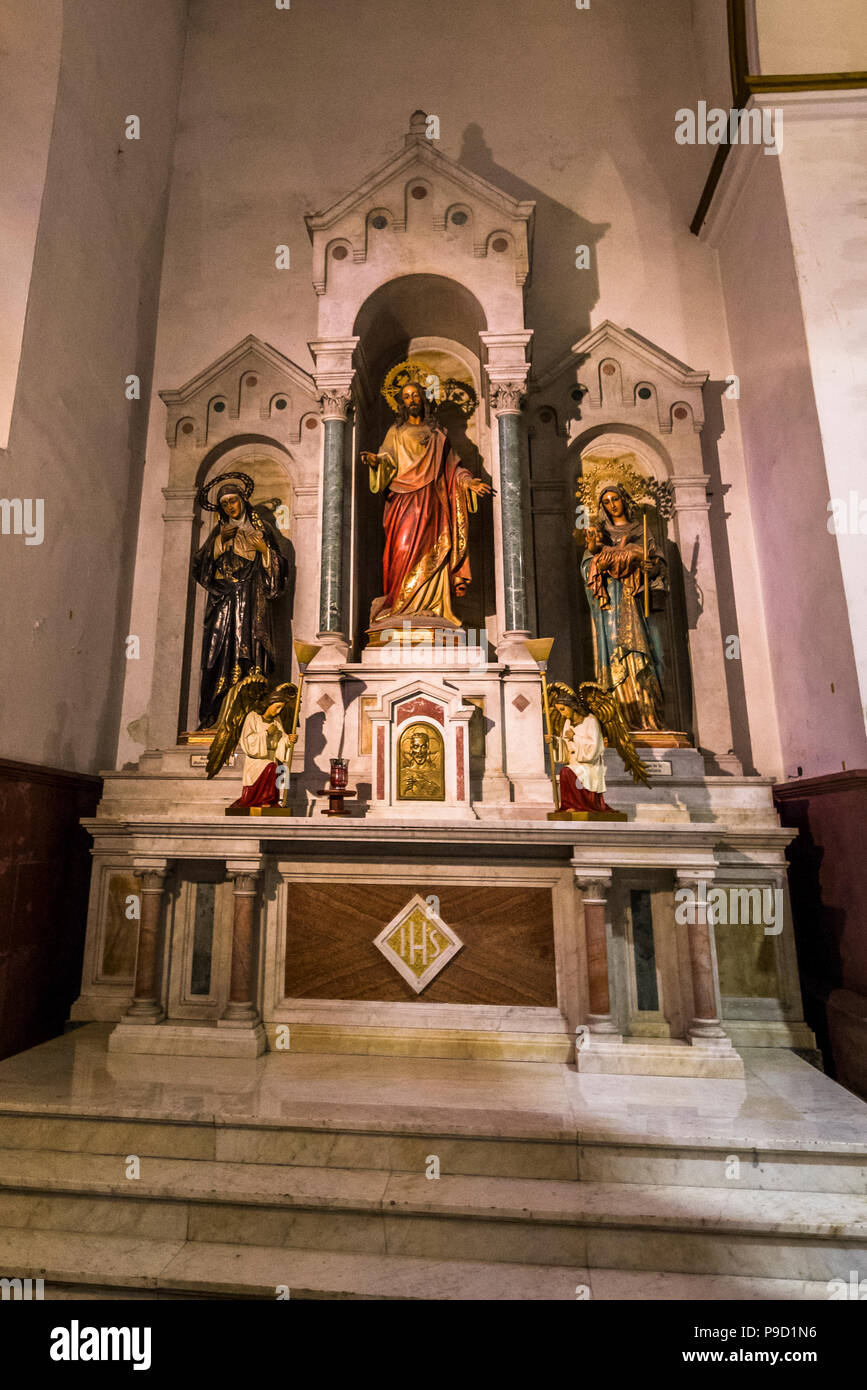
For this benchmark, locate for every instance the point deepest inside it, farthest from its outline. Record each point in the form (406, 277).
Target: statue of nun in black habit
(243, 570)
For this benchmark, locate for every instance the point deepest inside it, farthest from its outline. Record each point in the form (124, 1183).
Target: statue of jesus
(426, 514)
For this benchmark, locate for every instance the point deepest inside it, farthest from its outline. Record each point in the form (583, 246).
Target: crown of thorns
(245, 489)
(459, 393)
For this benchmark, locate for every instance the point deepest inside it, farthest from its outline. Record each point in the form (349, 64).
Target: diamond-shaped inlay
(325, 702)
(520, 702)
(418, 943)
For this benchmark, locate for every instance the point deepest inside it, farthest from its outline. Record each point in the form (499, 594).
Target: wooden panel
(44, 880)
(508, 936)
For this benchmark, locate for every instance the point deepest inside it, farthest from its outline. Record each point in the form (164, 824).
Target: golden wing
(560, 692)
(239, 701)
(603, 704)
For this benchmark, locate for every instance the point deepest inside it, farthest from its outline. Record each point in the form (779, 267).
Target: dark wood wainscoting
(44, 880)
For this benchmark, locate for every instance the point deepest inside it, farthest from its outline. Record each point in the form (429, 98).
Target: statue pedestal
(480, 720)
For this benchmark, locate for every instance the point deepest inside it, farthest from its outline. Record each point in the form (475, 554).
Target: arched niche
(437, 321)
(275, 475)
(649, 459)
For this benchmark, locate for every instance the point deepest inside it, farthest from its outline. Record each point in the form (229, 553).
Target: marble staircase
(524, 1208)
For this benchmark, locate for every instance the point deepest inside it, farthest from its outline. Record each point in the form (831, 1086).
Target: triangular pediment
(249, 353)
(428, 198)
(625, 343)
(627, 347)
(420, 156)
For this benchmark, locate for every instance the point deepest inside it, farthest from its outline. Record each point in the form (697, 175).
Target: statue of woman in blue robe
(626, 645)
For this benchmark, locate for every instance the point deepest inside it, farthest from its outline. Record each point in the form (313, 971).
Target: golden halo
(598, 473)
(437, 390)
(402, 375)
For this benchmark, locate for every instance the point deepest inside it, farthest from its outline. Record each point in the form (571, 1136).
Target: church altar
(447, 914)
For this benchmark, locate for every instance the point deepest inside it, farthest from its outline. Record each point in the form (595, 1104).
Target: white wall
(824, 172)
(802, 592)
(76, 442)
(711, 42)
(29, 68)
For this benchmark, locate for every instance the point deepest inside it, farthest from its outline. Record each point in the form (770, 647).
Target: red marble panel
(420, 705)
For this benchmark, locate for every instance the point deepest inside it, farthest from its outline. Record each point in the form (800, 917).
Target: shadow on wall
(560, 298)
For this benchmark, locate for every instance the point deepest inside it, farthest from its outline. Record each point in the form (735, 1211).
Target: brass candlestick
(540, 649)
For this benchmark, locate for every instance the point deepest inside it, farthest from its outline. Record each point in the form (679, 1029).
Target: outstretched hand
(480, 487)
(370, 459)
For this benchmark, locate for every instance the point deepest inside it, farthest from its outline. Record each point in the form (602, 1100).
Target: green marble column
(334, 407)
(506, 406)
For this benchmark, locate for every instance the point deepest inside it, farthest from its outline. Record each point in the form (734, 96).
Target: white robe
(262, 743)
(582, 748)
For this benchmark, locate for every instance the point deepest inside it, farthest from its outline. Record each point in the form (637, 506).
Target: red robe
(262, 792)
(425, 521)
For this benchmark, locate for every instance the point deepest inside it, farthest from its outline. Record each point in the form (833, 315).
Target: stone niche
(421, 752)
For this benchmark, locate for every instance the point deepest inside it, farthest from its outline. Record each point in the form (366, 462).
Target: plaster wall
(76, 443)
(29, 68)
(824, 172)
(711, 43)
(801, 590)
(280, 116)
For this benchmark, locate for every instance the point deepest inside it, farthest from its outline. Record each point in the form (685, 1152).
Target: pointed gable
(417, 191)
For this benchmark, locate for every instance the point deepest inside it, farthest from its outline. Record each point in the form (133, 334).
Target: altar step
(197, 1223)
(116, 1267)
(480, 1145)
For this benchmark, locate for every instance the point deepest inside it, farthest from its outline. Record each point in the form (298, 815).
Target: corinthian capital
(334, 405)
(507, 397)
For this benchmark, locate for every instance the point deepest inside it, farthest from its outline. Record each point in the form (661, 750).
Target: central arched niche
(437, 321)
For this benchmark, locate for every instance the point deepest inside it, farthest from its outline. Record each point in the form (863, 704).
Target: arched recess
(649, 459)
(275, 474)
(438, 321)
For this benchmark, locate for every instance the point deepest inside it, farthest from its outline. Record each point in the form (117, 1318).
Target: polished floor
(782, 1101)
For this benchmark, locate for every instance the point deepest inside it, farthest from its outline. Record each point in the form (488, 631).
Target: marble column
(705, 1024)
(506, 406)
(334, 406)
(241, 1009)
(595, 890)
(712, 717)
(145, 1007)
